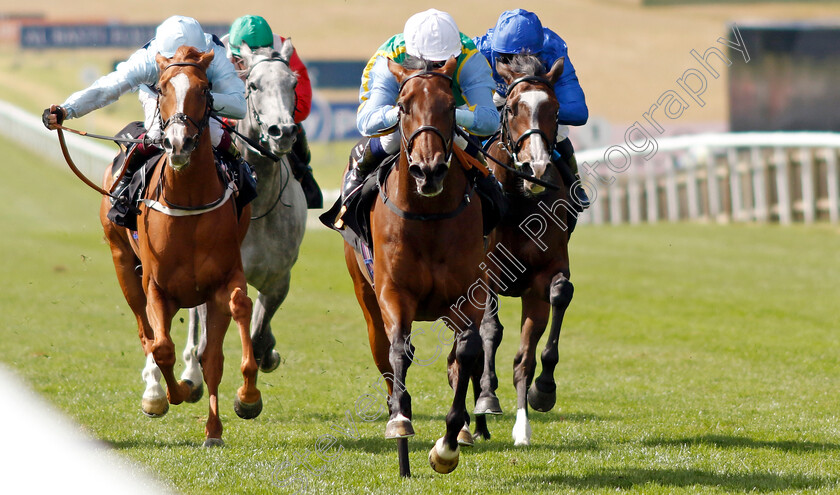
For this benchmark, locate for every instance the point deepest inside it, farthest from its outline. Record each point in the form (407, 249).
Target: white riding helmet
(432, 35)
(177, 31)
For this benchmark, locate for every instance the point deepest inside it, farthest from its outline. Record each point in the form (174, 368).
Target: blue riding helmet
(517, 30)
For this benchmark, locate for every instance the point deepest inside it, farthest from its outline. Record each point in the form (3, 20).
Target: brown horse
(187, 243)
(427, 245)
(529, 255)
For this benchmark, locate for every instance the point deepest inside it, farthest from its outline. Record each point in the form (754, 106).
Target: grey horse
(279, 212)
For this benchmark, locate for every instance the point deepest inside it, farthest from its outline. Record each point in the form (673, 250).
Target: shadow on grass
(679, 478)
(726, 441)
(146, 443)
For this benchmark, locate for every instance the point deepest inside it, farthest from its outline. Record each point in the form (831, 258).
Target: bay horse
(427, 248)
(187, 242)
(528, 255)
(272, 243)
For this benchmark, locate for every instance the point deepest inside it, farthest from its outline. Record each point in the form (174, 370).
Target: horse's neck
(198, 182)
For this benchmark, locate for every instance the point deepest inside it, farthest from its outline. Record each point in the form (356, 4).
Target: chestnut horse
(529, 255)
(427, 245)
(187, 242)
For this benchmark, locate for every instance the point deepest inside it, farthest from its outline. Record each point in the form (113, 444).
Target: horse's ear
(397, 70)
(556, 70)
(245, 52)
(161, 61)
(449, 66)
(287, 49)
(205, 58)
(504, 70)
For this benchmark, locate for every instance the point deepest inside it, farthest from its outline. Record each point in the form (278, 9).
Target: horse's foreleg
(491, 336)
(192, 352)
(212, 364)
(154, 402)
(535, 314)
(262, 337)
(397, 315)
(445, 453)
(160, 312)
(543, 392)
(248, 402)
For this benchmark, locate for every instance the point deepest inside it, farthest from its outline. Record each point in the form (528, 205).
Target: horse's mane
(526, 63)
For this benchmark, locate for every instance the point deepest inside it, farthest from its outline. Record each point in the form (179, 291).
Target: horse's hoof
(481, 436)
(271, 362)
(539, 400)
(247, 411)
(214, 442)
(155, 408)
(465, 438)
(443, 460)
(196, 391)
(487, 405)
(399, 427)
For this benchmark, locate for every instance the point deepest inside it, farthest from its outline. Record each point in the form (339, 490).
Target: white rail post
(759, 181)
(634, 196)
(671, 192)
(616, 196)
(735, 190)
(783, 186)
(713, 188)
(652, 198)
(809, 199)
(833, 186)
(691, 190)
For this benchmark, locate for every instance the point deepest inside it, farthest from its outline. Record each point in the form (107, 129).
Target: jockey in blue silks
(518, 31)
(432, 36)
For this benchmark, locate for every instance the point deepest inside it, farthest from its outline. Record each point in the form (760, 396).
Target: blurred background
(629, 56)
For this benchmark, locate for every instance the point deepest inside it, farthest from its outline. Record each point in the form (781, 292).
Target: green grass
(694, 358)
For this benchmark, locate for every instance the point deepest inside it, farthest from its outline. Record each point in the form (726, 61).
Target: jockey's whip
(521, 175)
(257, 146)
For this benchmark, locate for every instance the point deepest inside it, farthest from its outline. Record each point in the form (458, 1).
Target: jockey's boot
(135, 158)
(299, 160)
(364, 158)
(564, 158)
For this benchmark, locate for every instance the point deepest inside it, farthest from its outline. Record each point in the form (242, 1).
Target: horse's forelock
(417, 63)
(527, 64)
(186, 53)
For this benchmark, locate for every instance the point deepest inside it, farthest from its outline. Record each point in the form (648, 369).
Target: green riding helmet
(251, 29)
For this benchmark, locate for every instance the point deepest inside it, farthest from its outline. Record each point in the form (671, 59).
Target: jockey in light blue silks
(432, 36)
(519, 31)
(141, 72)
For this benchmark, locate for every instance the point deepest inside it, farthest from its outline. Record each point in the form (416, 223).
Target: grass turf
(694, 358)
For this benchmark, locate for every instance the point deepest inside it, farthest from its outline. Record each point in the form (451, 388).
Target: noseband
(513, 147)
(408, 142)
(182, 118)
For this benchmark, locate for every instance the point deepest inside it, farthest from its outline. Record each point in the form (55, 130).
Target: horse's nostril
(274, 131)
(417, 172)
(167, 144)
(439, 171)
(288, 130)
(188, 143)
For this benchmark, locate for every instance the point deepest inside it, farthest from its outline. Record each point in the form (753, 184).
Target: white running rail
(780, 177)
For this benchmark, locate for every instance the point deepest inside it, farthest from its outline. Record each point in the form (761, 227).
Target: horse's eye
(252, 86)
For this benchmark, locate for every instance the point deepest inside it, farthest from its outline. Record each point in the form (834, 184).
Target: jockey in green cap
(254, 31)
